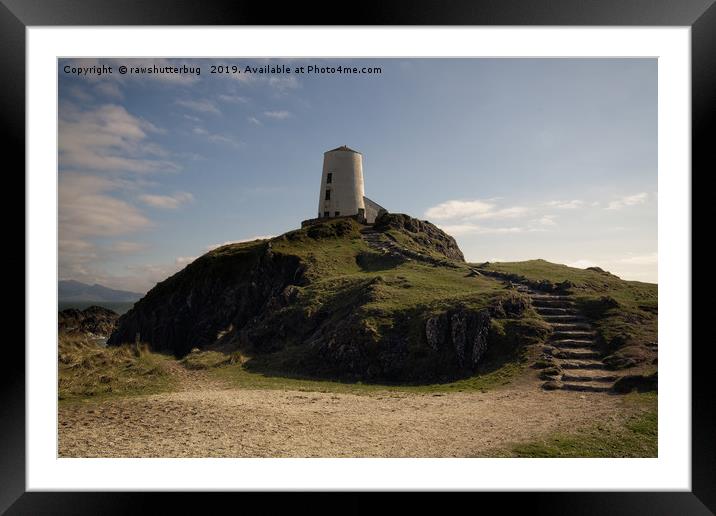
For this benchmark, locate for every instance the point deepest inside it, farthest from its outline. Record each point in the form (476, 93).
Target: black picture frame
(700, 15)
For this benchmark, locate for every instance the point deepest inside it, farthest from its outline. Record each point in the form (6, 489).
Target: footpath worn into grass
(230, 412)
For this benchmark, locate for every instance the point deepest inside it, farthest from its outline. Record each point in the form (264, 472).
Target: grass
(637, 437)
(624, 313)
(90, 371)
(238, 376)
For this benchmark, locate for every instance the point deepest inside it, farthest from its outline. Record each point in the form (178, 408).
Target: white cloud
(233, 99)
(254, 120)
(629, 200)
(108, 138)
(472, 210)
(644, 259)
(200, 105)
(110, 89)
(170, 202)
(282, 84)
(566, 205)
(545, 220)
(277, 115)
(458, 209)
(85, 209)
(124, 247)
(466, 229)
(215, 137)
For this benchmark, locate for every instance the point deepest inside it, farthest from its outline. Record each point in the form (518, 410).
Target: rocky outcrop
(424, 235)
(219, 291)
(463, 332)
(95, 320)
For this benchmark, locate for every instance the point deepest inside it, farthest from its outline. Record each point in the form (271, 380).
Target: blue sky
(516, 158)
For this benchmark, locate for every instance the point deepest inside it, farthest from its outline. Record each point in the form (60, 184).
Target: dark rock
(640, 383)
(512, 304)
(436, 331)
(94, 320)
(552, 385)
(229, 286)
(422, 233)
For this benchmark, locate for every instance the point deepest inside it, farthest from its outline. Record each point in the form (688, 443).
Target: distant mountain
(71, 290)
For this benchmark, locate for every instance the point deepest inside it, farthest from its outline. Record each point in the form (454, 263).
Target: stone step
(549, 296)
(586, 387)
(594, 365)
(545, 310)
(571, 326)
(561, 318)
(578, 353)
(554, 303)
(572, 334)
(571, 343)
(589, 377)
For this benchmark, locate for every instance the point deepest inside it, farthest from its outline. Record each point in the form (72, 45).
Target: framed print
(437, 249)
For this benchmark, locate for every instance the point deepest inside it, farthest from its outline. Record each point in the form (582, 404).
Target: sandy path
(206, 419)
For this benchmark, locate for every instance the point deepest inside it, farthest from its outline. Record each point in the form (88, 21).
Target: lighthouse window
(329, 177)
(328, 195)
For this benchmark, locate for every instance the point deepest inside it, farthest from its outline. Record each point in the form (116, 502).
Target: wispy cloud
(125, 247)
(282, 84)
(566, 205)
(233, 99)
(629, 200)
(277, 115)
(642, 259)
(110, 90)
(200, 105)
(215, 137)
(474, 209)
(254, 120)
(88, 210)
(170, 202)
(108, 138)
(464, 229)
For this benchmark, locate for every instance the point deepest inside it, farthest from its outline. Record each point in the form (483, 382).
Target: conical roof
(343, 148)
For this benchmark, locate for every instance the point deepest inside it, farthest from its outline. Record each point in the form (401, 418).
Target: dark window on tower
(338, 213)
(326, 214)
(328, 195)
(329, 178)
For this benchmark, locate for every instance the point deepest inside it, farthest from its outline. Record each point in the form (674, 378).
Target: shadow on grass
(374, 262)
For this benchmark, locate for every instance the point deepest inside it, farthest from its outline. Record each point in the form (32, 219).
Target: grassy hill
(322, 302)
(624, 313)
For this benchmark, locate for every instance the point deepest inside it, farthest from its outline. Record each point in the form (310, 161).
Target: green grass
(238, 376)
(624, 313)
(207, 359)
(88, 371)
(637, 437)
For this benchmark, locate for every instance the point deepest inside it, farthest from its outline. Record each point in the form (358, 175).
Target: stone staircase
(375, 241)
(571, 348)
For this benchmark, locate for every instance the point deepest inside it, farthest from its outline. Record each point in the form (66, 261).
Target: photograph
(357, 257)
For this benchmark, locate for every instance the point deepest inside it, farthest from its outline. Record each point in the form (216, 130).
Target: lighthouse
(342, 187)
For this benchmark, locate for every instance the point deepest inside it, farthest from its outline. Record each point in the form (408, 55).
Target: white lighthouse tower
(342, 190)
(341, 183)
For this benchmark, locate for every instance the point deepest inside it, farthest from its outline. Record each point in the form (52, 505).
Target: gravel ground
(209, 419)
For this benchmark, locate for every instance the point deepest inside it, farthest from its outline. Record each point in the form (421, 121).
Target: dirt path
(207, 419)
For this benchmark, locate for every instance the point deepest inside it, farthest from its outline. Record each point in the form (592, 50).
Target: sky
(516, 158)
